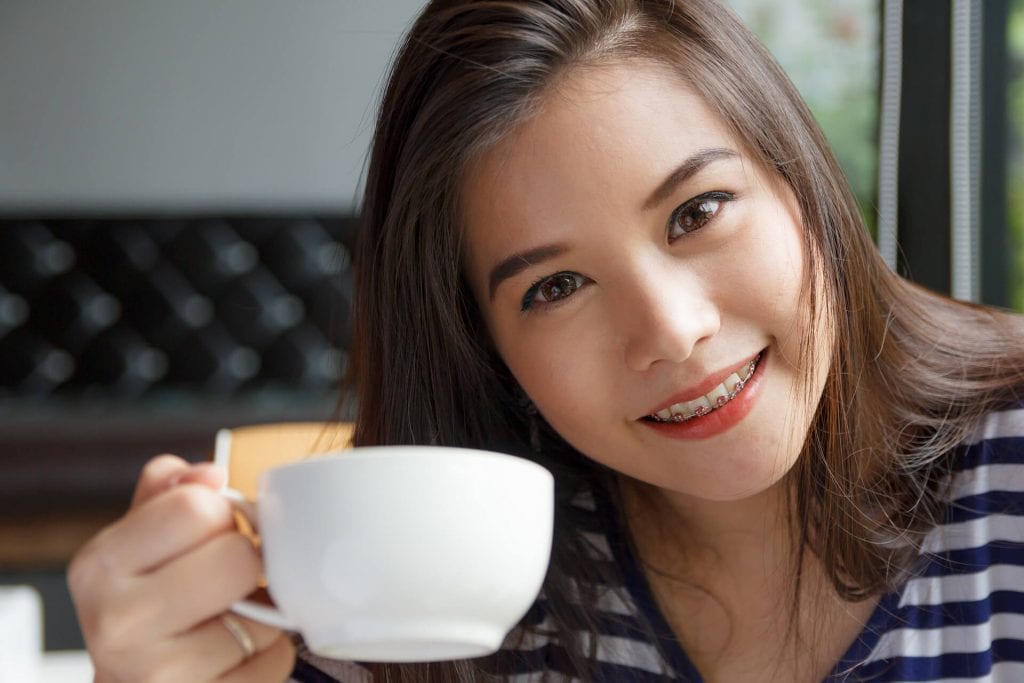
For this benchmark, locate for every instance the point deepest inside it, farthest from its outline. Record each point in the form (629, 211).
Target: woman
(609, 236)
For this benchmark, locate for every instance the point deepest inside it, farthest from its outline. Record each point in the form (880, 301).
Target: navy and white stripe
(959, 618)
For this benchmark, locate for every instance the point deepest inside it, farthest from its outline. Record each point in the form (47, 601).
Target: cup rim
(399, 451)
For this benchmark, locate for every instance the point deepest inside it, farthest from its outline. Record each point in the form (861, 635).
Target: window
(830, 49)
(1015, 153)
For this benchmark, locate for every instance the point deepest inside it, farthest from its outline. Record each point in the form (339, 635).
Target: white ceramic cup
(21, 633)
(403, 553)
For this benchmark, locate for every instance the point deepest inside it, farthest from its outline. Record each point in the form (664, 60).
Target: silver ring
(240, 634)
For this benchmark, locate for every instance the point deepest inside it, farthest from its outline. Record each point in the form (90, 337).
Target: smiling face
(643, 281)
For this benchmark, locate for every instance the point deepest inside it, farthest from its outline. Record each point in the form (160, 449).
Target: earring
(534, 428)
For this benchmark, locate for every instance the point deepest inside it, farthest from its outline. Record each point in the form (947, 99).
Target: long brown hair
(910, 373)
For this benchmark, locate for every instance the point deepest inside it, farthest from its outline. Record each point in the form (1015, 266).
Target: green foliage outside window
(1015, 170)
(830, 49)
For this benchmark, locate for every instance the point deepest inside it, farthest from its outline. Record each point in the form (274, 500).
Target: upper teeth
(716, 398)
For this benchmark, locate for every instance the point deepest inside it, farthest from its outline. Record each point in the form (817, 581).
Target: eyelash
(530, 297)
(700, 202)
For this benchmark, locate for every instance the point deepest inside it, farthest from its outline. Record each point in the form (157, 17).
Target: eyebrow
(520, 261)
(686, 170)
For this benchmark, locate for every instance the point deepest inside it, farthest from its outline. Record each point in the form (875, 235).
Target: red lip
(718, 420)
(704, 387)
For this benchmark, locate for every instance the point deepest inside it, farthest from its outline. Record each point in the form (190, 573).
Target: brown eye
(696, 213)
(557, 287)
(552, 288)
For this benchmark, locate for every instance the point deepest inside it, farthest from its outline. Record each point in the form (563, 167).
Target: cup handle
(249, 609)
(271, 616)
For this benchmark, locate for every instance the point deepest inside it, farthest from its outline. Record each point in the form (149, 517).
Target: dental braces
(701, 411)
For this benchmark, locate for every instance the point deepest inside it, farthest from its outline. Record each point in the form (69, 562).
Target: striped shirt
(960, 617)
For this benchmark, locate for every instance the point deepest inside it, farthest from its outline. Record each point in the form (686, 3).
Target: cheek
(561, 375)
(774, 283)
(542, 370)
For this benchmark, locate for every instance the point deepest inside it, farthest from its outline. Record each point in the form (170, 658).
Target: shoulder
(963, 608)
(610, 620)
(992, 458)
(311, 668)
(1007, 422)
(986, 491)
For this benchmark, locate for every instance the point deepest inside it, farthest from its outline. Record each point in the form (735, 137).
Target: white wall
(167, 105)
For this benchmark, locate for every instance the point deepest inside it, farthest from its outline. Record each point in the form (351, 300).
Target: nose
(663, 315)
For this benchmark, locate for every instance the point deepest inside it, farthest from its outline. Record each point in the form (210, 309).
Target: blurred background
(179, 184)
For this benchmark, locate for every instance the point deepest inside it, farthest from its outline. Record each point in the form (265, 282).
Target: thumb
(205, 473)
(166, 471)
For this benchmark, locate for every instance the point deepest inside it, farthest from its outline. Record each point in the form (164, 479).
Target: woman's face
(632, 266)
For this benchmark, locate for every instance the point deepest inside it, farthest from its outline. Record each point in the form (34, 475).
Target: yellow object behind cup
(246, 452)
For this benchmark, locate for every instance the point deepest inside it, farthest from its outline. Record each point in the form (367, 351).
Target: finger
(271, 665)
(203, 654)
(107, 575)
(213, 648)
(204, 582)
(157, 475)
(164, 528)
(165, 471)
(207, 474)
(135, 617)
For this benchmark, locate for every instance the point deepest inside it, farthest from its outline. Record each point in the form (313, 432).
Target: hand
(150, 589)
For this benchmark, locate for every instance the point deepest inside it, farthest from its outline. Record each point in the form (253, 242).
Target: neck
(749, 541)
(724, 576)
